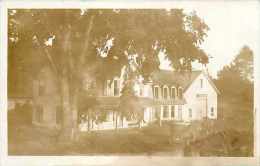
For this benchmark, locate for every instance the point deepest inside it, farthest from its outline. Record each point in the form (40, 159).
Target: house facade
(181, 97)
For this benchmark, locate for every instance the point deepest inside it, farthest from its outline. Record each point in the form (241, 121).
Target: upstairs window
(116, 88)
(201, 83)
(165, 92)
(173, 92)
(180, 92)
(156, 92)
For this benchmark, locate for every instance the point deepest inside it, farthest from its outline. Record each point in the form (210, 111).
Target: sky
(232, 24)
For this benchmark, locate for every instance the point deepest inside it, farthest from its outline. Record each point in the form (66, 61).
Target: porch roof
(170, 101)
(112, 102)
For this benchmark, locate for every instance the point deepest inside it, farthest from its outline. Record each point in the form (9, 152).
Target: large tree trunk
(70, 77)
(67, 125)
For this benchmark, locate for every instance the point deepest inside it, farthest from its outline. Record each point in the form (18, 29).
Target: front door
(202, 106)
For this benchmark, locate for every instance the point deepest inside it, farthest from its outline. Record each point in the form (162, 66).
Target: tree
(76, 43)
(129, 106)
(236, 87)
(244, 63)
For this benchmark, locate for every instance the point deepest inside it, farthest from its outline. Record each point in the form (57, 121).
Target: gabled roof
(183, 79)
(173, 78)
(211, 83)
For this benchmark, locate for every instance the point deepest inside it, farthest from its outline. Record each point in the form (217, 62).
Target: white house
(186, 96)
(181, 97)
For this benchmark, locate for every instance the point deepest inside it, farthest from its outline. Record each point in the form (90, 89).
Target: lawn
(31, 140)
(152, 140)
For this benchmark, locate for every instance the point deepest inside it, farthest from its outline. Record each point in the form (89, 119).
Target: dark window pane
(173, 93)
(172, 111)
(156, 92)
(165, 112)
(190, 112)
(212, 111)
(116, 88)
(165, 93)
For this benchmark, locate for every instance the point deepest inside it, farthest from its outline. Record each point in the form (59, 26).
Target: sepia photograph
(175, 81)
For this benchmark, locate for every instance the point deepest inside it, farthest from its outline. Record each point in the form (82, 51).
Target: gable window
(116, 88)
(172, 111)
(165, 92)
(173, 93)
(190, 112)
(212, 111)
(156, 92)
(165, 111)
(201, 83)
(180, 92)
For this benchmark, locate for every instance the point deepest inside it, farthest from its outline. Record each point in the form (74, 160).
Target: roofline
(208, 78)
(211, 82)
(193, 80)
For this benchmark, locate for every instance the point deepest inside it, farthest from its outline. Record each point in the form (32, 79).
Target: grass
(152, 140)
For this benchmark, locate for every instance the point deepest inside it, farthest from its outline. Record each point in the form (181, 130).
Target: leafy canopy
(130, 32)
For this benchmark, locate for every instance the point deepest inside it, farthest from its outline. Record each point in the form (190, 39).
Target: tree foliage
(141, 32)
(236, 91)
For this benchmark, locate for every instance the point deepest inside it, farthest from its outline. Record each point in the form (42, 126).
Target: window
(201, 83)
(108, 88)
(41, 88)
(165, 92)
(179, 112)
(173, 93)
(59, 114)
(110, 116)
(116, 88)
(165, 111)
(156, 92)
(190, 112)
(180, 92)
(39, 113)
(212, 111)
(172, 111)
